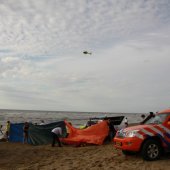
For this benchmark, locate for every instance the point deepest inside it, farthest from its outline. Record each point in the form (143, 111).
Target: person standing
(42, 122)
(1, 129)
(126, 122)
(26, 129)
(56, 133)
(7, 130)
(112, 130)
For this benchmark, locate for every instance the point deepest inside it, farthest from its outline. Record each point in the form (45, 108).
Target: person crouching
(56, 132)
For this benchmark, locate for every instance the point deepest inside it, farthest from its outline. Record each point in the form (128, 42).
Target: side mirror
(168, 120)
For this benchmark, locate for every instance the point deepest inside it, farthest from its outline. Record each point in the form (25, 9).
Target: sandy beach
(17, 156)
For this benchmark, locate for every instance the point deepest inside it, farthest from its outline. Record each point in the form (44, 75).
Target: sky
(43, 67)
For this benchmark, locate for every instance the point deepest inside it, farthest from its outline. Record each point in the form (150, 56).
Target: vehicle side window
(158, 120)
(163, 117)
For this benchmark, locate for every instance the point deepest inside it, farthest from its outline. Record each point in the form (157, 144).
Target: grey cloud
(41, 54)
(40, 27)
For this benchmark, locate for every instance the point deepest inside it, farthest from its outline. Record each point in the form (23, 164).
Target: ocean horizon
(77, 118)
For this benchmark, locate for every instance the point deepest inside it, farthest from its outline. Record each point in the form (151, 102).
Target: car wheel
(151, 150)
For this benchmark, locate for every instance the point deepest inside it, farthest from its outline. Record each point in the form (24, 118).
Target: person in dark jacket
(26, 129)
(1, 129)
(112, 130)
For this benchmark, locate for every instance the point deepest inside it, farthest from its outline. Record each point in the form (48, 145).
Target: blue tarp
(16, 132)
(38, 134)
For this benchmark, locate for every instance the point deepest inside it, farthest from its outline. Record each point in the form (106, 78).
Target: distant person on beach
(1, 129)
(42, 122)
(88, 124)
(68, 130)
(26, 129)
(56, 133)
(143, 116)
(112, 130)
(126, 122)
(8, 130)
(151, 114)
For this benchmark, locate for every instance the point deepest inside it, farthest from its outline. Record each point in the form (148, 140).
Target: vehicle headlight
(131, 134)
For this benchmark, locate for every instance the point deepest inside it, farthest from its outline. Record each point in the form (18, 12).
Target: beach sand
(23, 156)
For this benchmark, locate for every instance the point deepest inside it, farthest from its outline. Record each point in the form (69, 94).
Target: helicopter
(86, 52)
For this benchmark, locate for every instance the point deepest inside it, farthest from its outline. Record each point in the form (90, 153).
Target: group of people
(57, 132)
(7, 131)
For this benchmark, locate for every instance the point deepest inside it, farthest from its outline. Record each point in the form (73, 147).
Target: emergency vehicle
(150, 139)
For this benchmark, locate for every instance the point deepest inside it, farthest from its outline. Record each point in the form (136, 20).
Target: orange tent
(94, 134)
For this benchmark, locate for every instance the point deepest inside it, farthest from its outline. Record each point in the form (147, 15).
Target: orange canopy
(94, 134)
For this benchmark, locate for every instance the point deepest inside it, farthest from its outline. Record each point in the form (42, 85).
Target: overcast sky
(42, 65)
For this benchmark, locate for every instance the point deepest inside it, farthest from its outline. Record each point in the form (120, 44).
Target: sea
(76, 118)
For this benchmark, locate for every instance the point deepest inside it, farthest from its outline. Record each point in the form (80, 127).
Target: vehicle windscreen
(158, 119)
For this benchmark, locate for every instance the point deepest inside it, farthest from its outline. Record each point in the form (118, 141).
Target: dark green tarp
(38, 134)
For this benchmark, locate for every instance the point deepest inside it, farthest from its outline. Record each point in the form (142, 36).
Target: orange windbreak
(94, 134)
